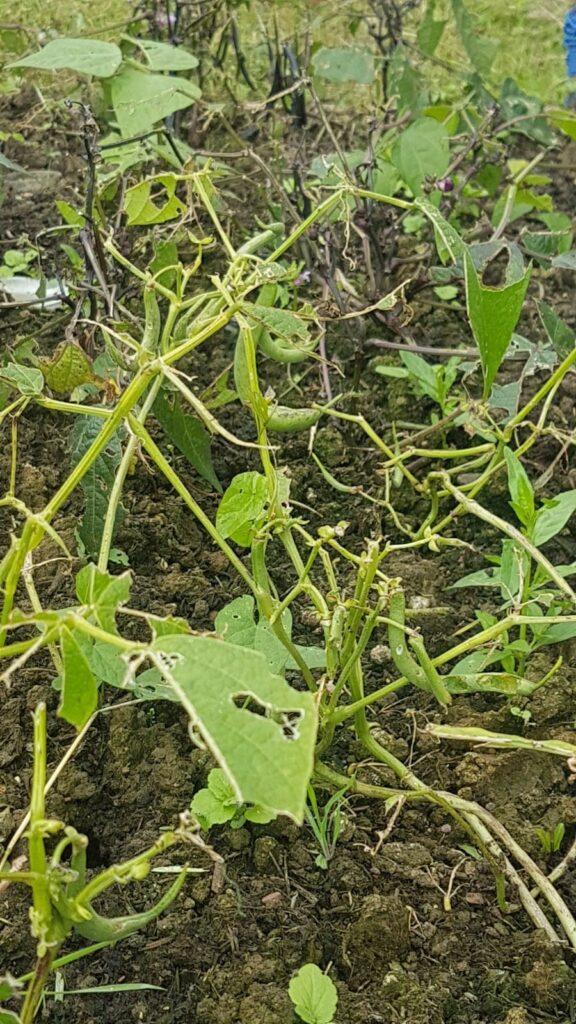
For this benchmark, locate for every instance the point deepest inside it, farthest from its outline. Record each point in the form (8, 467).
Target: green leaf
(260, 731)
(553, 517)
(242, 508)
(68, 367)
(314, 995)
(559, 334)
(279, 322)
(480, 48)
(567, 261)
(521, 490)
(235, 623)
(565, 122)
(86, 56)
(188, 434)
(79, 696)
(448, 242)
(7, 1017)
(481, 578)
(430, 31)
(165, 57)
(493, 315)
(344, 64)
(25, 379)
(97, 483)
(141, 99)
(141, 208)
(421, 151)
(404, 82)
(103, 594)
(165, 261)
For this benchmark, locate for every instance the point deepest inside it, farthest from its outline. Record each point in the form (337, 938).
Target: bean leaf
(140, 99)
(79, 686)
(188, 434)
(242, 509)
(260, 731)
(86, 56)
(493, 315)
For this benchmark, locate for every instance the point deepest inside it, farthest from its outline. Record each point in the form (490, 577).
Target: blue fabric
(570, 41)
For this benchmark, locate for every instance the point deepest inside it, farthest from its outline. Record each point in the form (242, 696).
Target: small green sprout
(217, 804)
(551, 838)
(314, 995)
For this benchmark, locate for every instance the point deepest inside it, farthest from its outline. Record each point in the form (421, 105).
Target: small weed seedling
(326, 824)
(218, 805)
(314, 995)
(551, 838)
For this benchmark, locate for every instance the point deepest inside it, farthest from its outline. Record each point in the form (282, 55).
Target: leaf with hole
(86, 56)
(260, 731)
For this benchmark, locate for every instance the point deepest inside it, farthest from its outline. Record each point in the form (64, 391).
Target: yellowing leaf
(67, 369)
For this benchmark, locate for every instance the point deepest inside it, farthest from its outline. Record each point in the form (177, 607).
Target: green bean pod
(282, 351)
(241, 372)
(262, 239)
(153, 321)
(422, 675)
(284, 420)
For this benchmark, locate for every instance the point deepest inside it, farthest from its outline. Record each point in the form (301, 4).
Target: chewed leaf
(260, 731)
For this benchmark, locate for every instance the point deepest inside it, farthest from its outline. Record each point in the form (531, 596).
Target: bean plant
(253, 694)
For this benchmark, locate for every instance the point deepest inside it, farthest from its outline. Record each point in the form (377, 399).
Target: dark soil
(408, 927)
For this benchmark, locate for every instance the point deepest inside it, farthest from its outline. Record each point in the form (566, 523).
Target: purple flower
(445, 184)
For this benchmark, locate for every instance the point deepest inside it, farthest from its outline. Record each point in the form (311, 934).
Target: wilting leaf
(67, 369)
